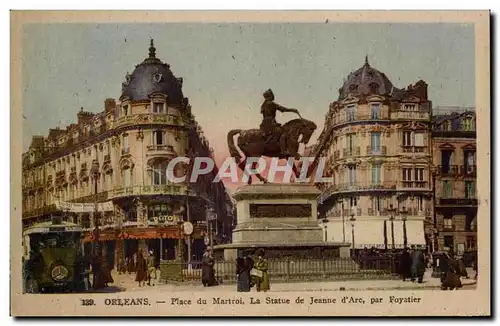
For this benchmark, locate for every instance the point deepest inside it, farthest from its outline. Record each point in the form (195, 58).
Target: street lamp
(352, 220)
(343, 222)
(96, 266)
(95, 174)
(404, 217)
(325, 221)
(392, 210)
(210, 215)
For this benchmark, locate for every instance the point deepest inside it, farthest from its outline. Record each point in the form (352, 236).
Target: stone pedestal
(282, 220)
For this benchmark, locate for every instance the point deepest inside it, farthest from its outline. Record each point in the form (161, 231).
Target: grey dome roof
(366, 81)
(153, 76)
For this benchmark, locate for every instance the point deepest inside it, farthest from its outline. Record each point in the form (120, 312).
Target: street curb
(398, 288)
(341, 289)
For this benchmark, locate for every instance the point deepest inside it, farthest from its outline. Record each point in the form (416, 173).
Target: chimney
(109, 104)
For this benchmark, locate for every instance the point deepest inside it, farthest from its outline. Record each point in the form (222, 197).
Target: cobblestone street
(126, 282)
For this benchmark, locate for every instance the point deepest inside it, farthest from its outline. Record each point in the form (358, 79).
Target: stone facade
(377, 143)
(454, 158)
(121, 154)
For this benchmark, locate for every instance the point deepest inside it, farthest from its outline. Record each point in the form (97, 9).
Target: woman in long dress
(261, 282)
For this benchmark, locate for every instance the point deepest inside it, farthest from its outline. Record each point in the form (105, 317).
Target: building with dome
(377, 142)
(116, 161)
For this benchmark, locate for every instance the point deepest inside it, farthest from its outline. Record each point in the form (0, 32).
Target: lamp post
(325, 224)
(392, 210)
(95, 174)
(96, 266)
(352, 220)
(210, 215)
(404, 217)
(343, 221)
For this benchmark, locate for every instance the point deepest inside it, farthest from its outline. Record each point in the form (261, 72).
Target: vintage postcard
(250, 163)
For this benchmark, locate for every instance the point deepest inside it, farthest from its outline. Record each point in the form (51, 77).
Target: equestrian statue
(272, 139)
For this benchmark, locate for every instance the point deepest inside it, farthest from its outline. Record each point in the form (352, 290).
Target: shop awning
(141, 233)
(414, 233)
(369, 232)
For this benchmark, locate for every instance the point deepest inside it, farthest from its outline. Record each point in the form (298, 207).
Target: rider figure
(269, 127)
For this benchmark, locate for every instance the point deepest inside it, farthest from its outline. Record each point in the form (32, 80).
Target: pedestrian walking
(405, 264)
(243, 267)
(259, 273)
(207, 270)
(141, 269)
(151, 268)
(448, 268)
(417, 265)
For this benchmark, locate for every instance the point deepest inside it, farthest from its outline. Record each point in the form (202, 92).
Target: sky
(226, 67)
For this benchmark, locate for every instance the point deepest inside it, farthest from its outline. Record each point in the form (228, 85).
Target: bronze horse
(253, 144)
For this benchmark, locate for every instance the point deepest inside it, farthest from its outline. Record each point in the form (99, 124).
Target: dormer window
(125, 110)
(375, 108)
(467, 124)
(373, 88)
(447, 125)
(158, 107)
(157, 77)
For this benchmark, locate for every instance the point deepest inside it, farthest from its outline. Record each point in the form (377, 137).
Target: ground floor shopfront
(457, 227)
(165, 243)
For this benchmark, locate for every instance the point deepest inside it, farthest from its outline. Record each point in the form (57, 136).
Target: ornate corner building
(377, 144)
(120, 155)
(454, 157)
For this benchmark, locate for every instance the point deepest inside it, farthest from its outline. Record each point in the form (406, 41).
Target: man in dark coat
(405, 265)
(448, 268)
(207, 270)
(243, 267)
(417, 265)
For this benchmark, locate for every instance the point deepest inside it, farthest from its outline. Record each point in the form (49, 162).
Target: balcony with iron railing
(161, 150)
(168, 189)
(148, 119)
(457, 170)
(416, 185)
(414, 149)
(353, 210)
(458, 202)
(343, 118)
(354, 151)
(410, 115)
(448, 170)
(357, 186)
(107, 158)
(380, 150)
